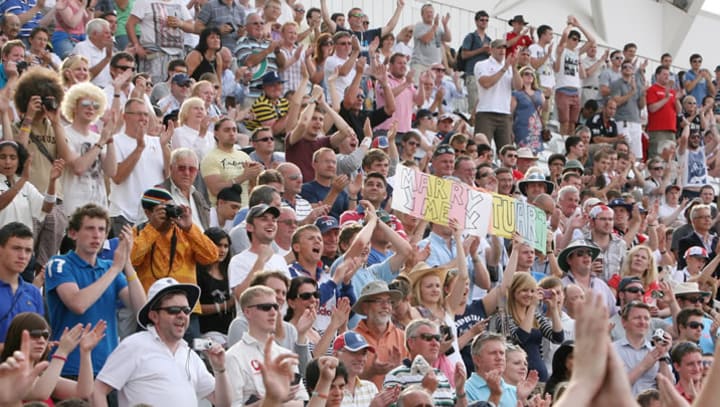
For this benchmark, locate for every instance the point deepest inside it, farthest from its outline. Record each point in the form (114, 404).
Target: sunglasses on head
(175, 310)
(39, 333)
(266, 306)
(307, 296)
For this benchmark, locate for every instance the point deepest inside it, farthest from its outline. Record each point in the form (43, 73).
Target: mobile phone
(296, 379)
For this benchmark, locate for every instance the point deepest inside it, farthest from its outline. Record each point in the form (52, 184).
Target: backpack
(459, 61)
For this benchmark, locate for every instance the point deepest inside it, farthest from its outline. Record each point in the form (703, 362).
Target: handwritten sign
(437, 200)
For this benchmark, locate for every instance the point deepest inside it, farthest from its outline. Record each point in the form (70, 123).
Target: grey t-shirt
(628, 111)
(430, 53)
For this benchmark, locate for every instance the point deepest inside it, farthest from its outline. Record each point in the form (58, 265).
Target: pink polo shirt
(403, 105)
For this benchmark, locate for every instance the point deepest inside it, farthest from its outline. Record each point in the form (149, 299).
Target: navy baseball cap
(351, 341)
(271, 78)
(327, 223)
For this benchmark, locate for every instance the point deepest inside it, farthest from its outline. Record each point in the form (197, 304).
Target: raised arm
(332, 27)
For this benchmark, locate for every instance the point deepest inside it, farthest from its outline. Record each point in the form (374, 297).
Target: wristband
(116, 95)
(217, 371)
(50, 198)
(132, 278)
(320, 395)
(217, 307)
(25, 129)
(461, 395)
(58, 357)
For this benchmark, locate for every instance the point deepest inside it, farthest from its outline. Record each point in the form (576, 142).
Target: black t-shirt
(216, 291)
(598, 127)
(474, 313)
(365, 38)
(695, 124)
(357, 121)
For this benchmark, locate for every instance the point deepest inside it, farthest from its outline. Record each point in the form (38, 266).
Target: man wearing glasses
(631, 289)
(259, 305)
(157, 367)
(690, 298)
(576, 260)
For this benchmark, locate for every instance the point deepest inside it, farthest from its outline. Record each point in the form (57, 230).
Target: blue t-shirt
(314, 193)
(474, 313)
(21, 7)
(700, 89)
(70, 268)
(27, 298)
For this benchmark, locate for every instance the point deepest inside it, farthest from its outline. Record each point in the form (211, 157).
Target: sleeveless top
(204, 67)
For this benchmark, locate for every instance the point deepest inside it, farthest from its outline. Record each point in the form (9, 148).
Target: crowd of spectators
(196, 203)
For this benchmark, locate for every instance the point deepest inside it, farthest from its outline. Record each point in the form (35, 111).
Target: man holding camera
(169, 244)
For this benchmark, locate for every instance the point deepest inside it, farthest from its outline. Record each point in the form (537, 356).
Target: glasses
(175, 310)
(634, 290)
(439, 69)
(124, 67)
(40, 333)
(186, 168)
(360, 96)
(343, 43)
(511, 156)
(266, 306)
(582, 253)
(527, 73)
(288, 222)
(326, 43)
(257, 23)
(707, 363)
(618, 58)
(574, 38)
(430, 337)
(366, 23)
(484, 20)
(694, 300)
(260, 140)
(627, 67)
(299, 10)
(695, 61)
(307, 296)
(90, 103)
(695, 325)
(657, 168)
(413, 143)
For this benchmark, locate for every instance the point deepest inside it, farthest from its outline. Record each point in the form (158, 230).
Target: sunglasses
(263, 139)
(325, 43)
(634, 290)
(299, 10)
(307, 296)
(657, 168)
(619, 58)
(265, 307)
(484, 174)
(124, 67)
(574, 38)
(294, 177)
(343, 43)
(695, 325)
(413, 143)
(40, 333)
(582, 253)
(175, 310)
(90, 103)
(366, 23)
(430, 337)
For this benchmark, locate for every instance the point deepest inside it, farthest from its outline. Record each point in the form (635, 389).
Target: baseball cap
(260, 210)
(326, 223)
(696, 251)
(627, 281)
(598, 209)
(271, 77)
(181, 79)
(351, 341)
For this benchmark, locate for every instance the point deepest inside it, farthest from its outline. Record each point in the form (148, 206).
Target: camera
(49, 103)
(658, 337)
(657, 294)
(547, 294)
(201, 344)
(21, 66)
(173, 211)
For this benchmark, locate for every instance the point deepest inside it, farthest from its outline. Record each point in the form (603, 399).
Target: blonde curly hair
(84, 90)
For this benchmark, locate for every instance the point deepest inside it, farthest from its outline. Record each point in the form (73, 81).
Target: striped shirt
(365, 391)
(302, 207)
(401, 376)
(248, 46)
(265, 109)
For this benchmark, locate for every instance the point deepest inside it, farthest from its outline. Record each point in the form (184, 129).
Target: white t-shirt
(26, 205)
(241, 264)
(184, 136)
(546, 74)
(144, 371)
(153, 16)
(569, 74)
(88, 187)
(496, 99)
(342, 82)
(148, 172)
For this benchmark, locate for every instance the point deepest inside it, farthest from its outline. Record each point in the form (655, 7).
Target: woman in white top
(92, 156)
(20, 201)
(194, 131)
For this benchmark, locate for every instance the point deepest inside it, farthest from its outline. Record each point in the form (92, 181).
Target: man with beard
(260, 306)
(692, 162)
(375, 304)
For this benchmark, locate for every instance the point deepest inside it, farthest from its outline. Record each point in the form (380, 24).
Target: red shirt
(665, 118)
(524, 41)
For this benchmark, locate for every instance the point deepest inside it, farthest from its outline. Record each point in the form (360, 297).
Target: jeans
(63, 43)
